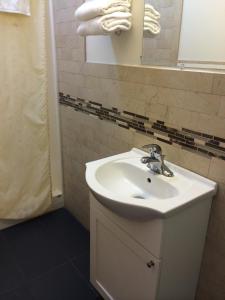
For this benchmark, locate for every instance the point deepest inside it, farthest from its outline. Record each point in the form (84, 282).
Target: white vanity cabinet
(147, 260)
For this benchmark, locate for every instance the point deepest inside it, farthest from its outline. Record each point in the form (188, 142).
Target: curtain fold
(25, 181)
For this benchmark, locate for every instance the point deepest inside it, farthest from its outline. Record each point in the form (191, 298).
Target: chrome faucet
(155, 160)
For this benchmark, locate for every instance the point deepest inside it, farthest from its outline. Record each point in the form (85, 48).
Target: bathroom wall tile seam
(117, 79)
(159, 99)
(191, 140)
(160, 84)
(217, 113)
(219, 101)
(114, 139)
(202, 115)
(212, 90)
(145, 86)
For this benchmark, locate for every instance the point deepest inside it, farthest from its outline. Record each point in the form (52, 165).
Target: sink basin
(127, 179)
(126, 186)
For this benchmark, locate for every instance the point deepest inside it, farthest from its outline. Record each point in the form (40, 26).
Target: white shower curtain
(25, 181)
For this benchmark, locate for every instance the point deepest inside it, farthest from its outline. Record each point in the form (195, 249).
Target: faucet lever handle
(153, 148)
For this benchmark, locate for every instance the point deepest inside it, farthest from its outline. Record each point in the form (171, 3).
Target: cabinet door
(121, 269)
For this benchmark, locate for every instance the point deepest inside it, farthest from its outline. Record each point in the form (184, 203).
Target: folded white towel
(105, 24)
(15, 6)
(151, 11)
(151, 17)
(149, 14)
(152, 27)
(95, 8)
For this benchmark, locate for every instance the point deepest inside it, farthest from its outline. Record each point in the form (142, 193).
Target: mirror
(184, 33)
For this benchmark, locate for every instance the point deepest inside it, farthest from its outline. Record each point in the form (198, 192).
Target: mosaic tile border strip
(198, 142)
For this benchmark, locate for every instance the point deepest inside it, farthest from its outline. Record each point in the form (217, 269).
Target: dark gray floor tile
(64, 229)
(63, 283)
(41, 249)
(10, 274)
(19, 294)
(82, 263)
(36, 251)
(8, 296)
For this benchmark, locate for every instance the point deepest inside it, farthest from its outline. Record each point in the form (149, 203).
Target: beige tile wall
(191, 99)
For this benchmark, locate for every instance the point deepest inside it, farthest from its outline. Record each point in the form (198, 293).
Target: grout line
(87, 281)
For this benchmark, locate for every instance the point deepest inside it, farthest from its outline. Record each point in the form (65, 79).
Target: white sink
(126, 186)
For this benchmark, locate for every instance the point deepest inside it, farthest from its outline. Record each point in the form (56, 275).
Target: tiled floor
(46, 259)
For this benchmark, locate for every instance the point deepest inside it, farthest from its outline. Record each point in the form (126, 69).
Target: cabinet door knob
(150, 264)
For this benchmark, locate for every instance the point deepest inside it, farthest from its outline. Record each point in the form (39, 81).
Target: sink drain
(138, 197)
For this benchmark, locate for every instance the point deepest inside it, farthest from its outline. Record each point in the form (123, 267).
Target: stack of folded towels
(100, 17)
(151, 20)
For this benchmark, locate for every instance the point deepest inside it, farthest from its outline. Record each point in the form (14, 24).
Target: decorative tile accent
(194, 141)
